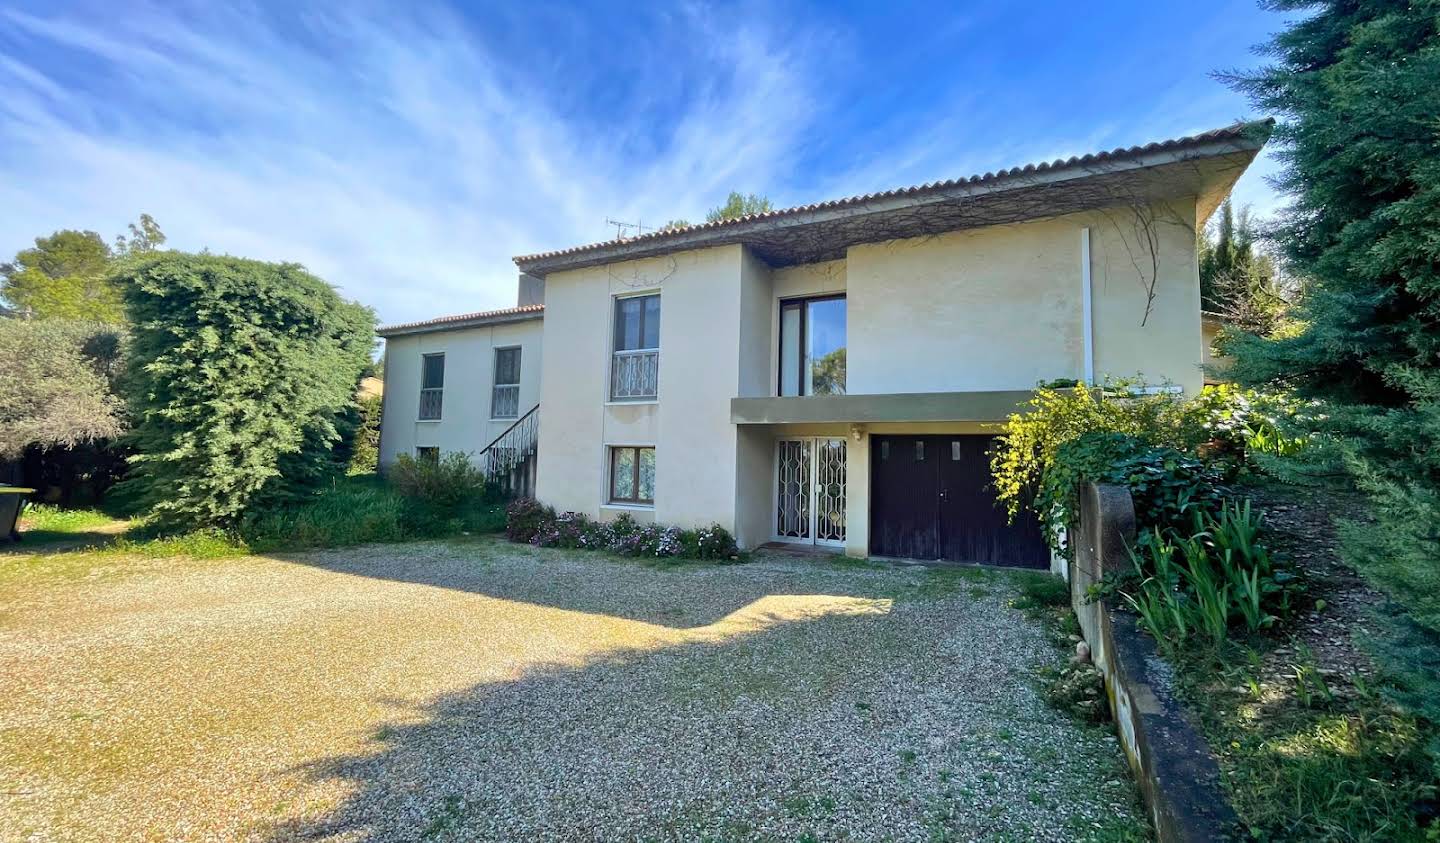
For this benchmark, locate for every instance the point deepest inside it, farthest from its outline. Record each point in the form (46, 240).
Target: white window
(632, 475)
(505, 398)
(635, 364)
(432, 386)
(812, 346)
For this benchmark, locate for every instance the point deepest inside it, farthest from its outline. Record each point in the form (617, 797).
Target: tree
(56, 384)
(739, 205)
(242, 384)
(63, 277)
(1237, 280)
(1357, 85)
(828, 376)
(68, 274)
(145, 236)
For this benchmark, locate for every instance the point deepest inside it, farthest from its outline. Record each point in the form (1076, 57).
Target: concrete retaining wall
(1177, 773)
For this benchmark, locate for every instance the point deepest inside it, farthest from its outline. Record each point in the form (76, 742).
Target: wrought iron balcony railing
(634, 375)
(505, 402)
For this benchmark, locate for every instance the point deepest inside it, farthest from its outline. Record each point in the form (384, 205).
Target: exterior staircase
(509, 461)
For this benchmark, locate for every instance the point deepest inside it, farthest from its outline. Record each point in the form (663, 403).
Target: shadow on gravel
(566, 580)
(768, 702)
(781, 727)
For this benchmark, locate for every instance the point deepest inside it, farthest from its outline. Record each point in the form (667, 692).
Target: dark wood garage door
(931, 498)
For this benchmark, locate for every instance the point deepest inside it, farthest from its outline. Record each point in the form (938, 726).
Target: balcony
(987, 406)
(635, 375)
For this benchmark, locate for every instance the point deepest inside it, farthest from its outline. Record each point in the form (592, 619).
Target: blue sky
(404, 152)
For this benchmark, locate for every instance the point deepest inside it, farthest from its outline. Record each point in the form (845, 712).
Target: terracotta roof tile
(463, 320)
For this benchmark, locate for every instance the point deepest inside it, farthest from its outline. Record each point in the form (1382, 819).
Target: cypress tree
(242, 384)
(1357, 87)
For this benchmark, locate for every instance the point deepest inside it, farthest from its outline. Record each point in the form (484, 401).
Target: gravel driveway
(488, 691)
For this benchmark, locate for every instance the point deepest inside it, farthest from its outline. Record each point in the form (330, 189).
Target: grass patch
(44, 526)
(364, 509)
(354, 510)
(1309, 757)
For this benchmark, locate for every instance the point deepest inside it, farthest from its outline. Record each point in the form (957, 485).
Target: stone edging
(1175, 768)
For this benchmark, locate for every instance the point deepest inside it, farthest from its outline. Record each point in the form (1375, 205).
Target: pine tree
(1357, 87)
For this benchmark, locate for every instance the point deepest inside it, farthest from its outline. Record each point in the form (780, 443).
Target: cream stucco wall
(465, 423)
(701, 298)
(1000, 307)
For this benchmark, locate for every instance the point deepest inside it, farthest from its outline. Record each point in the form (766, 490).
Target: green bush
(365, 453)
(242, 379)
(1201, 584)
(445, 483)
(364, 510)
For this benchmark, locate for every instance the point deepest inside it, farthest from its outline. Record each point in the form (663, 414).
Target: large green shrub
(242, 383)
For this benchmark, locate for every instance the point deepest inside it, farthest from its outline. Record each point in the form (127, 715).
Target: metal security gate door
(810, 491)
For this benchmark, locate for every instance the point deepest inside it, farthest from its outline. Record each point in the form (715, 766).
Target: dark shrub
(525, 518)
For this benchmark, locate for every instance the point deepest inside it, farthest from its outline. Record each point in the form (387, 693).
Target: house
(833, 374)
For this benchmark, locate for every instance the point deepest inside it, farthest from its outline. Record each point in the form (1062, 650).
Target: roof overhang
(1204, 166)
(993, 406)
(460, 323)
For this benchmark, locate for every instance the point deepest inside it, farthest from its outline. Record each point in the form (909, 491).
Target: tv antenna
(621, 227)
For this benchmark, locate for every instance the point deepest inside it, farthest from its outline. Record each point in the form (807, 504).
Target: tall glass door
(810, 490)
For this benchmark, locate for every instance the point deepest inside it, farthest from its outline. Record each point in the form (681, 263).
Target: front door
(810, 491)
(931, 497)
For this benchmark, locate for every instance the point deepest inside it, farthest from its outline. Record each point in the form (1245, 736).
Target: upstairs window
(635, 363)
(432, 386)
(505, 397)
(812, 346)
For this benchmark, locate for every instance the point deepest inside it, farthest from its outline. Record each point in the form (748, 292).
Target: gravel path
(487, 691)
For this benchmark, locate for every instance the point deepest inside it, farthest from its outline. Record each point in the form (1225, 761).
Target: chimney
(531, 290)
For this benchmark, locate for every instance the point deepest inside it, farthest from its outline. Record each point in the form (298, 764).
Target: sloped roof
(465, 320)
(1240, 140)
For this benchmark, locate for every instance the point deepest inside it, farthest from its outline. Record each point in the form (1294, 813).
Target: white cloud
(391, 154)
(403, 157)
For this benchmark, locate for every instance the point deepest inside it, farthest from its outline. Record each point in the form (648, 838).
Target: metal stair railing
(506, 461)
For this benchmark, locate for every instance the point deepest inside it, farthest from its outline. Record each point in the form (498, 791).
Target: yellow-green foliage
(1056, 416)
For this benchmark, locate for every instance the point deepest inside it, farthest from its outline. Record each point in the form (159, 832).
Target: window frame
(802, 302)
(427, 452)
(616, 330)
(617, 337)
(612, 455)
(495, 383)
(440, 390)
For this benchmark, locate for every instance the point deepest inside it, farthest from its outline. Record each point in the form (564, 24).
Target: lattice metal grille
(792, 499)
(505, 402)
(830, 490)
(634, 374)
